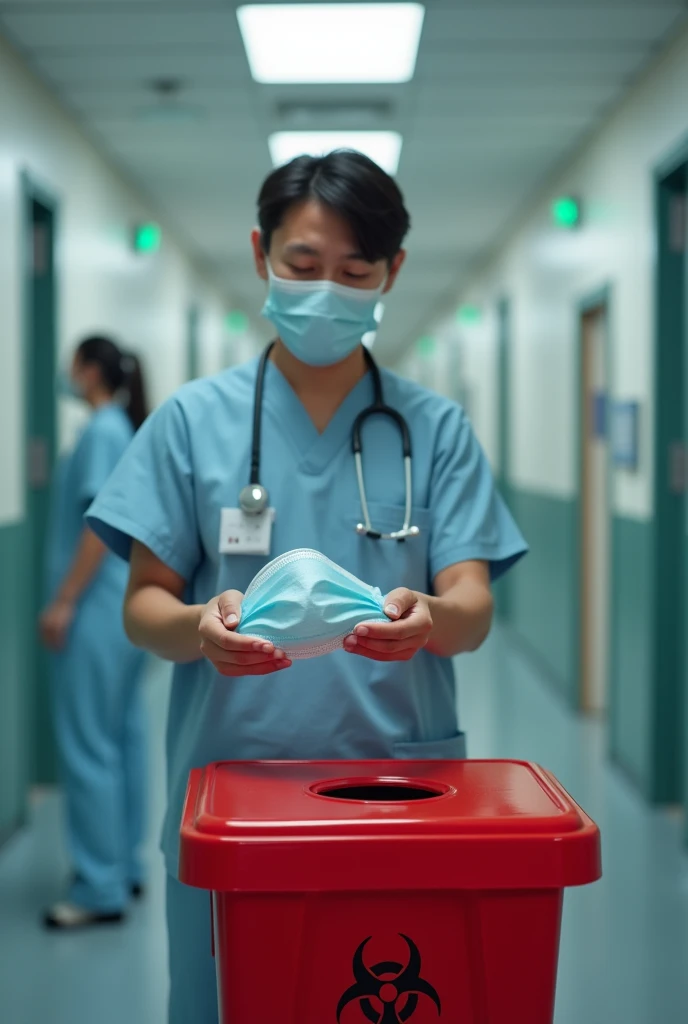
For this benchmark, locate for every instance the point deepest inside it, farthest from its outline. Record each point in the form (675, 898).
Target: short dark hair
(350, 184)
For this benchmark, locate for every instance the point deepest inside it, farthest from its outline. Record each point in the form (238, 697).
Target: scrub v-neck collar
(314, 451)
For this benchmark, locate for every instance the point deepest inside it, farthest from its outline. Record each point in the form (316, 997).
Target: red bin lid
(269, 826)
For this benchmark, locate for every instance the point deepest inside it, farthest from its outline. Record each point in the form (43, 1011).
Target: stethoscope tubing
(378, 408)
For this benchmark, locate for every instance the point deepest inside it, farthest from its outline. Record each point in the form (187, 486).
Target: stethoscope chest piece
(253, 499)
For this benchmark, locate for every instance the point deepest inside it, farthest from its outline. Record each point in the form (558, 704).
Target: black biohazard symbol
(395, 987)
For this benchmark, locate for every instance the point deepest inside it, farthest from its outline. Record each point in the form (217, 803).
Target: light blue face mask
(320, 322)
(67, 386)
(306, 605)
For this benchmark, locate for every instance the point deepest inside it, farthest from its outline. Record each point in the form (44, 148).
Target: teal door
(14, 760)
(40, 335)
(668, 676)
(26, 745)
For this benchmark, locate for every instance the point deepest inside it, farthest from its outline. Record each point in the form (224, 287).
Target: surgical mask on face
(306, 605)
(320, 322)
(67, 386)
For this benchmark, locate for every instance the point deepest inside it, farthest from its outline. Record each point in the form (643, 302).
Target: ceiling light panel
(382, 147)
(305, 43)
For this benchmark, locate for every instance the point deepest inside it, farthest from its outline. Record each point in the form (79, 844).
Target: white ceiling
(503, 90)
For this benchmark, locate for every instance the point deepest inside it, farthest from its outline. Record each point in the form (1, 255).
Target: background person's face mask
(306, 605)
(320, 322)
(67, 387)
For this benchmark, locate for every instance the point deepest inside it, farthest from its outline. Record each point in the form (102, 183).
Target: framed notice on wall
(625, 434)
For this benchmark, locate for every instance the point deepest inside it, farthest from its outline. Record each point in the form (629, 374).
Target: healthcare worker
(329, 244)
(97, 702)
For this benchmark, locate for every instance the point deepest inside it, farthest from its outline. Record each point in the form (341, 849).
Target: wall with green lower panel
(543, 589)
(630, 670)
(543, 611)
(14, 636)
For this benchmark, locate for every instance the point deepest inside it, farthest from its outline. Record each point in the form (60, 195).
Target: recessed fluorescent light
(382, 147)
(331, 42)
(368, 338)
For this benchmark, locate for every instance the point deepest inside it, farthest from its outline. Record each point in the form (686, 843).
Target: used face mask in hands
(306, 605)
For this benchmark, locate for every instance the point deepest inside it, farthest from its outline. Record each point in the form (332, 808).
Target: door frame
(601, 297)
(668, 669)
(33, 189)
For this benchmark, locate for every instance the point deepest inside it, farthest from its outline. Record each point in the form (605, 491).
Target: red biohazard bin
(385, 891)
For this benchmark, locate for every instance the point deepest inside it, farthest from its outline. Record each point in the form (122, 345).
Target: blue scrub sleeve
(469, 518)
(150, 496)
(98, 453)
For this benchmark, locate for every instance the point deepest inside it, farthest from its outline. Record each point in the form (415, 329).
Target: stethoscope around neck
(254, 498)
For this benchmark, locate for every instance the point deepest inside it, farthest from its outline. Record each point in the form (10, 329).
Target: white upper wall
(546, 272)
(103, 285)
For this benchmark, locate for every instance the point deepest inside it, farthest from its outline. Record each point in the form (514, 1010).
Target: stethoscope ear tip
(400, 535)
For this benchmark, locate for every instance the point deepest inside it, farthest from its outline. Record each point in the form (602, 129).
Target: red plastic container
(386, 891)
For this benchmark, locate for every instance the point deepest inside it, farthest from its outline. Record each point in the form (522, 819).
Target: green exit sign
(236, 321)
(147, 237)
(469, 314)
(566, 212)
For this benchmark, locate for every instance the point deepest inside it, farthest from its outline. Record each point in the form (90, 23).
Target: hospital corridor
(343, 512)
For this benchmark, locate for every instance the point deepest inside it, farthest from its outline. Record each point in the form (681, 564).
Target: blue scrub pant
(101, 737)
(193, 988)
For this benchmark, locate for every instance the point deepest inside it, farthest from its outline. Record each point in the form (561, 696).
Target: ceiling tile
(125, 67)
(142, 28)
(503, 98)
(527, 65)
(536, 24)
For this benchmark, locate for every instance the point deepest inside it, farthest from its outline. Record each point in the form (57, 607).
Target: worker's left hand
(407, 632)
(55, 622)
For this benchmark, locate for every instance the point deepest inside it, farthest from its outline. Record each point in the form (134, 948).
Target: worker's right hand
(230, 653)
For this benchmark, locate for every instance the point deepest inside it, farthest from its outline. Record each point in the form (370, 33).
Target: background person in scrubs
(97, 704)
(337, 221)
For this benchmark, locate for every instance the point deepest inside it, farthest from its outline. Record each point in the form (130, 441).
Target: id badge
(245, 535)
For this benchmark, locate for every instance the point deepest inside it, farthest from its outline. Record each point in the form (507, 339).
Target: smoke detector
(168, 105)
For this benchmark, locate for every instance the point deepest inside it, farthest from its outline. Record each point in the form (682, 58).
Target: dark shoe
(66, 916)
(138, 890)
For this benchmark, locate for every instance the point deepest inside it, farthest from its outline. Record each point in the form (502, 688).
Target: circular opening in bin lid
(382, 791)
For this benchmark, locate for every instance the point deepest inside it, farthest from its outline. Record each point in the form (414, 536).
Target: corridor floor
(624, 952)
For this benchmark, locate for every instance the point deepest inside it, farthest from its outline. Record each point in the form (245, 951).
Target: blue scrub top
(78, 478)
(191, 459)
